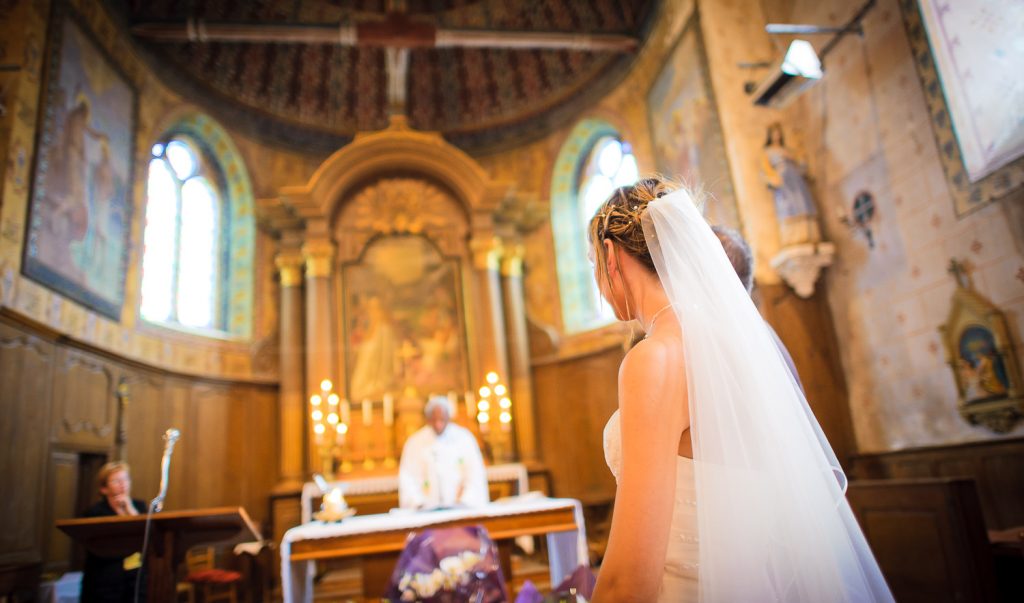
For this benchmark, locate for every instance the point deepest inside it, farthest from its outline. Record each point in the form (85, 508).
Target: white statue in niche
(803, 254)
(794, 206)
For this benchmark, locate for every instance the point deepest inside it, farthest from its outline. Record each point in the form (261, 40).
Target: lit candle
(346, 412)
(389, 409)
(367, 416)
(470, 401)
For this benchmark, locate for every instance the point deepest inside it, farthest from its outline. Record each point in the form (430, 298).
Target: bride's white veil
(774, 524)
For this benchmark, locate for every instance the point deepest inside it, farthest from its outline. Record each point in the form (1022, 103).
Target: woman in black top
(112, 579)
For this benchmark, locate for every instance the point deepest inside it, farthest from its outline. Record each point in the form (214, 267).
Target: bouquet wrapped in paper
(577, 588)
(449, 565)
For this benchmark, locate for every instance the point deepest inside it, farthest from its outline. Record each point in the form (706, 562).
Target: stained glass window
(592, 163)
(182, 265)
(609, 165)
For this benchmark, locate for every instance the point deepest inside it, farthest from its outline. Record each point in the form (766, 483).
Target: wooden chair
(212, 583)
(928, 536)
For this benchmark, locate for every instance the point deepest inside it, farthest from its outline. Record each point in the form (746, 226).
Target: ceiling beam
(396, 31)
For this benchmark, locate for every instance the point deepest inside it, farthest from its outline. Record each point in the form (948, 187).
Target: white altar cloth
(566, 550)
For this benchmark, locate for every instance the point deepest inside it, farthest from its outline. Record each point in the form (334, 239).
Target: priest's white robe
(442, 470)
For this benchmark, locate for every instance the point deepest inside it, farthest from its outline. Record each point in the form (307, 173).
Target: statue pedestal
(800, 265)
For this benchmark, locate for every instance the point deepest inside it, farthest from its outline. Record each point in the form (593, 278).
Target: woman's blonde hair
(619, 220)
(110, 469)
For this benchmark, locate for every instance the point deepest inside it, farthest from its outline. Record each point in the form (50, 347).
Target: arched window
(197, 255)
(593, 162)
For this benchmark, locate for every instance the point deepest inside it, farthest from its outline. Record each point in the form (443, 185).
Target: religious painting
(963, 51)
(980, 352)
(982, 369)
(80, 208)
(685, 127)
(403, 325)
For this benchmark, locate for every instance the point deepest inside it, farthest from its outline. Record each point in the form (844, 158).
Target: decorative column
(490, 318)
(318, 253)
(292, 389)
(519, 378)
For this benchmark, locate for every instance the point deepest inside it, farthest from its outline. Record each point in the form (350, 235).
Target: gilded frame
(979, 350)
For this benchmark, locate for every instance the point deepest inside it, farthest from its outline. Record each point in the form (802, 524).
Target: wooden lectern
(171, 535)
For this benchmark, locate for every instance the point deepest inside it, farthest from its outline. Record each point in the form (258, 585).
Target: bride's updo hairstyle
(619, 221)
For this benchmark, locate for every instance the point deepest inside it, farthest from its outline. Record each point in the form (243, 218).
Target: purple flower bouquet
(449, 565)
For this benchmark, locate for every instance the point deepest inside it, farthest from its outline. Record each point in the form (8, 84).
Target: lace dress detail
(679, 582)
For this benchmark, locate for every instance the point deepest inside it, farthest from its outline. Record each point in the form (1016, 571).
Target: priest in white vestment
(441, 464)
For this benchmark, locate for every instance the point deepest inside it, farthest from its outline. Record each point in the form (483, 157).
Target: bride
(727, 489)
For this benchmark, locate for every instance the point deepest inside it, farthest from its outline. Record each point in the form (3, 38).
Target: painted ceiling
(316, 96)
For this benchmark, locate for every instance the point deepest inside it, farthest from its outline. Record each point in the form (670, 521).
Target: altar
(377, 540)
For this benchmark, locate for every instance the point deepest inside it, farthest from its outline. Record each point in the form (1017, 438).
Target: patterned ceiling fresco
(316, 96)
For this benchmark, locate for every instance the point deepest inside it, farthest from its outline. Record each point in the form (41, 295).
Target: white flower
(452, 566)
(403, 584)
(408, 595)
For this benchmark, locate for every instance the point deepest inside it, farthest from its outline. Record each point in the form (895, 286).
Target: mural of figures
(80, 208)
(794, 205)
(685, 129)
(403, 327)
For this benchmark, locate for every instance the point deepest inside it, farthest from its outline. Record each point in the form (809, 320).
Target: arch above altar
(373, 198)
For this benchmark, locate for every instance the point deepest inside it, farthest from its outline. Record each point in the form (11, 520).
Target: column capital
(512, 260)
(487, 252)
(289, 266)
(319, 257)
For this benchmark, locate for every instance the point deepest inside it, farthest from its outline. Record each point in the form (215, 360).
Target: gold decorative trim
(319, 257)
(289, 266)
(487, 253)
(979, 350)
(512, 261)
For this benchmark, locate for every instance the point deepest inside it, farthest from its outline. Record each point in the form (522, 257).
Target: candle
(389, 409)
(470, 405)
(453, 403)
(367, 416)
(346, 412)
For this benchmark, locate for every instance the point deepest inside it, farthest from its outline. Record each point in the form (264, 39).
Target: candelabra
(330, 419)
(492, 393)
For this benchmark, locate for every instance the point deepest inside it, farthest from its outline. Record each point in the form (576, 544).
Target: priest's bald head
(439, 413)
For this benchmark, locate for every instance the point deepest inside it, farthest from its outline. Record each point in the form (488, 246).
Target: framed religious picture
(980, 352)
(968, 56)
(403, 322)
(80, 208)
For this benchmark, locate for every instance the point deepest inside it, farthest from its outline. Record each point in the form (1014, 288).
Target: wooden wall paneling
(84, 407)
(214, 430)
(575, 397)
(60, 504)
(144, 422)
(997, 468)
(260, 449)
(25, 405)
(928, 536)
(1002, 486)
(805, 327)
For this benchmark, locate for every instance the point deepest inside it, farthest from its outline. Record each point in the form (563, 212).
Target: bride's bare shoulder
(653, 359)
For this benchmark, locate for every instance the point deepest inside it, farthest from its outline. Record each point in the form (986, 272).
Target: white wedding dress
(679, 580)
(773, 519)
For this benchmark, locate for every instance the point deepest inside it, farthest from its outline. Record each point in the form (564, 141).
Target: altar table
(377, 540)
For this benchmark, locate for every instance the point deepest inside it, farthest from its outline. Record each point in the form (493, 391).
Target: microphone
(170, 437)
